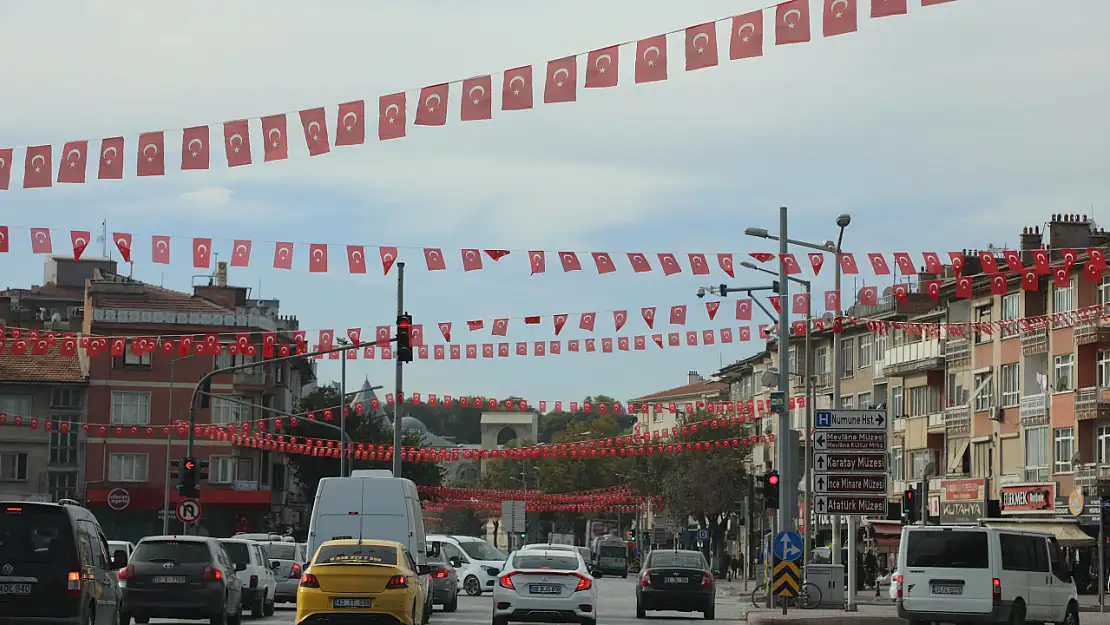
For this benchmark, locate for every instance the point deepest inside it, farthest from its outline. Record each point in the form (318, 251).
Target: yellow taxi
(349, 579)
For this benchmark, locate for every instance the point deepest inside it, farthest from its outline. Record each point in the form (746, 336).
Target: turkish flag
(1013, 262)
(315, 127)
(848, 264)
(901, 291)
(669, 263)
(202, 253)
(537, 261)
(237, 143)
(963, 287)
(649, 316)
(619, 319)
(816, 261)
(792, 22)
(957, 262)
(604, 263)
(840, 17)
(433, 106)
(477, 103)
(905, 264)
(516, 93)
(587, 321)
(562, 80)
(6, 155)
(195, 148)
(678, 315)
(989, 262)
(500, 327)
(747, 36)
(160, 250)
(1061, 278)
(317, 258)
(1040, 262)
(651, 59)
(776, 302)
(886, 8)
(123, 244)
(5, 246)
(391, 116)
(800, 303)
(791, 264)
(929, 3)
(570, 261)
(37, 168)
(40, 241)
(80, 240)
(356, 259)
(1093, 272)
(472, 260)
(277, 141)
(878, 264)
(932, 287)
(241, 254)
(998, 284)
(698, 265)
(701, 46)
(601, 68)
(151, 159)
(283, 255)
(832, 301)
(559, 321)
(433, 256)
(725, 262)
(389, 256)
(932, 263)
(869, 296)
(350, 125)
(74, 158)
(1096, 256)
(639, 262)
(743, 310)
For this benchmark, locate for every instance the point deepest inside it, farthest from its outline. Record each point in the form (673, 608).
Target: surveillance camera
(843, 219)
(701, 291)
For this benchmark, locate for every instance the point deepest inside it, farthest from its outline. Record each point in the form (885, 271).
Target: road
(617, 605)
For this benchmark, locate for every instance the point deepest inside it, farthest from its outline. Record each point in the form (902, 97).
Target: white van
(371, 504)
(983, 575)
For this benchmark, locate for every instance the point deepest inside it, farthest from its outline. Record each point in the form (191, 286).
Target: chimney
(1030, 240)
(221, 273)
(1068, 232)
(693, 377)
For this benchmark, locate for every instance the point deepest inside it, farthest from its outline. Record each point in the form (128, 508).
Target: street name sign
(849, 483)
(512, 516)
(850, 420)
(841, 440)
(850, 504)
(851, 462)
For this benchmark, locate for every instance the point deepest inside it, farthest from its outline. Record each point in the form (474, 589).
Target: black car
(181, 577)
(675, 580)
(54, 566)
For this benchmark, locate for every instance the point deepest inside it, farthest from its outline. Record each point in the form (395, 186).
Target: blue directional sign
(844, 419)
(703, 534)
(788, 546)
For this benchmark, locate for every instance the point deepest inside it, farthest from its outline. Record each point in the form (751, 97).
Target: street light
(343, 468)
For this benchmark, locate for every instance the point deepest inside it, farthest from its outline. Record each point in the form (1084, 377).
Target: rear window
(281, 551)
(947, 549)
(181, 552)
(237, 552)
(686, 560)
(555, 563)
(36, 534)
(357, 554)
(613, 552)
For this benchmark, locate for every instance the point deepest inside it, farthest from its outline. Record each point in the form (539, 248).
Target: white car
(545, 585)
(476, 562)
(255, 572)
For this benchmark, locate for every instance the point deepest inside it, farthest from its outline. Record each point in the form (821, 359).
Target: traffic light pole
(400, 377)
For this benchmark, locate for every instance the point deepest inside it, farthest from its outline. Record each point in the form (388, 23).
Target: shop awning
(1067, 533)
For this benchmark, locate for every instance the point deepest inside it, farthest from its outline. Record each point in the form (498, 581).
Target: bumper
(41, 620)
(286, 590)
(387, 607)
(537, 610)
(444, 593)
(177, 603)
(342, 618)
(250, 595)
(680, 600)
(999, 614)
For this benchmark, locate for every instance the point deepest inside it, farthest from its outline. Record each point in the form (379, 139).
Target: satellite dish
(828, 316)
(888, 291)
(56, 318)
(770, 377)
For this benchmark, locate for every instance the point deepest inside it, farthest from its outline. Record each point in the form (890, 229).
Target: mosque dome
(413, 424)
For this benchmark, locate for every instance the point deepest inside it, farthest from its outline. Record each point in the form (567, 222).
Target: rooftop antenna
(102, 239)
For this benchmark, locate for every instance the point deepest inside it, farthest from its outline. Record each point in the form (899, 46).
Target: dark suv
(54, 565)
(181, 577)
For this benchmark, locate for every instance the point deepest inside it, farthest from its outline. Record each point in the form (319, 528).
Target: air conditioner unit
(996, 414)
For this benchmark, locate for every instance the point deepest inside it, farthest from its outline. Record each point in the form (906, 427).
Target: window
(127, 467)
(226, 359)
(227, 412)
(130, 408)
(848, 402)
(1023, 553)
(13, 466)
(1063, 446)
(16, 405)
(981, 459)
(793, 359)
(656, 415)
(63, 447)
(1062, 379)
(957, 394)
(984, 398)
(1063, 299)
(1102, 368)
(847, 357)
(66, 397)
(1036, 454)
(919, 461)
(880, 347)
(1102, 444)
(923, 401)
(131, 359)
(958, 549)
(865, 351)
(1011, 307)
(983, 316)
(863, 400)
(1011, 385)
(897, 464)
(63, 484)
(222, 469)
(897, 403)
(1012, 458)
(821, 360)
(1104, 291)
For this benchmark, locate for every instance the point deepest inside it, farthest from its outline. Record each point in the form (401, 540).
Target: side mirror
(240, 566)
(434, 550)
(423, 569)
(455, 562)
(275, 565)
(119, 560)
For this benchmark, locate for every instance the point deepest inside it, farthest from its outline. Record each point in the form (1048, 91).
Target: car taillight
(644, 581)
(212, 574)
(706, 580)
(127, 572)
(308, 580)
(897, 580)
(439, 574)
(254, 581)
(506, 581)
(584, 582)
(397, 581)
(996, 589)
(73, 583)
(296, 572)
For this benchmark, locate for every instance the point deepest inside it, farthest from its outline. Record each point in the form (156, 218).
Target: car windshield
(237, 552)
(36, 534)
(541, 561)
(481, 550)
(683, 559)
(281, 551)
(182, 552)
(613, 551)
(952, 549)
(356, 554)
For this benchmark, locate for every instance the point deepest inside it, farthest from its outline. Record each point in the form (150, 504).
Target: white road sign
(512, 516)
(850, 419)
(188, 511)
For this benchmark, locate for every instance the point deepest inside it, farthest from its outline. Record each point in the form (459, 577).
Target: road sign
(863, 484)
(850, 504)
(849, 441)
(119, 498)
(513, 516)
(788, 546)
(851, 462)
(778, 402)
(188, 511)
(850, 420)
(703, 534)
(787, 579)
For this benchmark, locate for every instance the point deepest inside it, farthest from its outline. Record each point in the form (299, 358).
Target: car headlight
(490, 570)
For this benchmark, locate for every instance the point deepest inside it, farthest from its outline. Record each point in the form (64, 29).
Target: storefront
(963, 502)
(1036, 507)
(132, 513)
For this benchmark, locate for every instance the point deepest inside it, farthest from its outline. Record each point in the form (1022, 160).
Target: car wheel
(237, 618)
(640, 611)
(268, 608)
(453, 605)
(124, 618)
(219, 618)
(710, 613)
(258, 607)
(1017, 614)
(1071, 617)
(500, 620)
(472, 586)
(427, 616)
(589, 621)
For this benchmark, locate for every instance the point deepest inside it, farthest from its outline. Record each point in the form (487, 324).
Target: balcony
(878, 370)
(1089, 331)
(937, 421)
(1034, 410)
(956, 349)
(1092, 402)
(1092, 474)
(957, 419)
(914, 357)
(898, 424)
(1034, 475)
(822, 380)
(249, 377)
(1034, 340)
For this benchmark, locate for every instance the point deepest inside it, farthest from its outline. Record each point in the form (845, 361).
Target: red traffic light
(190, 464)
(773, 479)
(908, 494)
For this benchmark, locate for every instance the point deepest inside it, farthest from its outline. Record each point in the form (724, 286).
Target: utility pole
(838, 371)
(344, 469)
(807, 433)
(397, 416)
(785, 460)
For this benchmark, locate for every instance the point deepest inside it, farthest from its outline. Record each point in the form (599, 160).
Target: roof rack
(68, 502)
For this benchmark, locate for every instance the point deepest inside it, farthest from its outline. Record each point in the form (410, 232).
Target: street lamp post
(169, 449)
(343, 468)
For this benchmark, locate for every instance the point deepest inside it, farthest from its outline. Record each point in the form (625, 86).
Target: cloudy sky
(950, 127)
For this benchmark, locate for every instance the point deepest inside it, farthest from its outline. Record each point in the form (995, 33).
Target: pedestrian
(736, 566)
(726, 566)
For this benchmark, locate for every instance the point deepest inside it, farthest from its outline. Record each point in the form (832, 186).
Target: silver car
(291, 561)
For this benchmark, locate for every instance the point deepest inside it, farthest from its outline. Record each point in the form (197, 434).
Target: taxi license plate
(354, 602)
(169, 579)
(939, 589)
(545, 589)
(676, 580)
(15, 589)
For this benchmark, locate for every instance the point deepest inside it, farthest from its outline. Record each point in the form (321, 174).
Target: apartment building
(697, 390)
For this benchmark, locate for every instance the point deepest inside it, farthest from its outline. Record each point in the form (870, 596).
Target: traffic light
(910, 507)
(771, 490)
(175, 472)
(203, 467)
(190, 469)
(404, 339)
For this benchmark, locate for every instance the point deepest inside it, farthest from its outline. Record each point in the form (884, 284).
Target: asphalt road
(617, 598)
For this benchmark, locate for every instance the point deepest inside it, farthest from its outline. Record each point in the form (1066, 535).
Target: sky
(951, 127)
